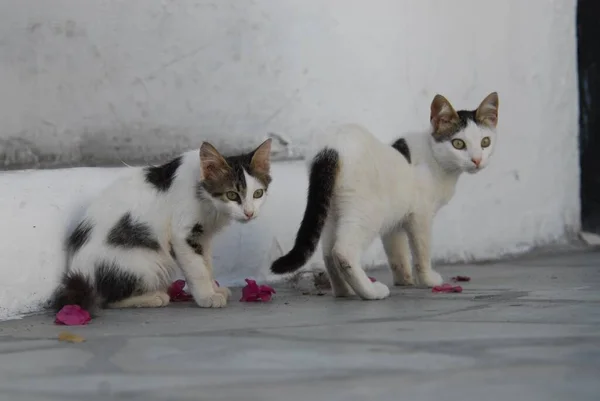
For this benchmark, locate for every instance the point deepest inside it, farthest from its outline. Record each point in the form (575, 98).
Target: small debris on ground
(461, 278)
(65, 336)
(321, 281)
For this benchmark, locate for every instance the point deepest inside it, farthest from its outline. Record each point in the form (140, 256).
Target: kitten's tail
(321, 183)
(75, 289)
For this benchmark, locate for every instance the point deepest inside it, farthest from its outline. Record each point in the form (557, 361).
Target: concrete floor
(522, 330)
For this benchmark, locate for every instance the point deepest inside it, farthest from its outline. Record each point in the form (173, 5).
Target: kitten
(126, 249)
(360, 187)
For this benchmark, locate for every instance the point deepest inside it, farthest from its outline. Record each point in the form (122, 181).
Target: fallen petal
(176, 292)
(267, 289)
(446, 288)
(252, 292)
(72, 315)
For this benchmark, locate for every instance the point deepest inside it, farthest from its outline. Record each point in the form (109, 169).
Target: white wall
(94, 82)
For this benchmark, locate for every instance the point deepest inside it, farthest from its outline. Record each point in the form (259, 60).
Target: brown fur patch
(447, 122)
(227, 173)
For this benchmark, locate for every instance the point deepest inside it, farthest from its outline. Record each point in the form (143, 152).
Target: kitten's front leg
(197, 273)
(397, 250)
(418, 228)
(207, 256)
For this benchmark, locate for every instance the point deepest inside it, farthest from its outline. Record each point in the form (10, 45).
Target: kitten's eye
(258, 193)
(458, 144)
(485, 142)
(232, 195)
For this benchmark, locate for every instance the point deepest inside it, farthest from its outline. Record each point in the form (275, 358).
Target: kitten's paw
(404, 280)
(216, 300)
(223, 290)
(431, 279)
(381, 290)
(161, 299)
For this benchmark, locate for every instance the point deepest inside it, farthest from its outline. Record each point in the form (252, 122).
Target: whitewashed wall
(92, 83)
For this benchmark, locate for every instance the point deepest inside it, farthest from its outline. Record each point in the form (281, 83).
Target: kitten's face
(236, 185)
(464, 140)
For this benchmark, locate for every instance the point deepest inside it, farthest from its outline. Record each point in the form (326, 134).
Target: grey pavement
(523, 330)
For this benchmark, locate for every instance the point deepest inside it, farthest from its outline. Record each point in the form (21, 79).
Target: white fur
(171, 215)
(378, 193)
(462, 160)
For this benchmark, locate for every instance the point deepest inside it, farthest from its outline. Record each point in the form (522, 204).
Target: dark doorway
(588, 54)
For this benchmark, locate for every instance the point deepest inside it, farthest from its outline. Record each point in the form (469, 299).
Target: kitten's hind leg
(155, 299)
(419, 235)
(339, 286)
(397, 250)
(350, 241)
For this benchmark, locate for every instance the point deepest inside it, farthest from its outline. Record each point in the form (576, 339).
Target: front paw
(430, 278)
(216, 300)
(225, 291)
(381, 290)
(404, 280)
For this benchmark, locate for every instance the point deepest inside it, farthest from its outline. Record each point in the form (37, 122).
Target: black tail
(321, 182)
(75, 289)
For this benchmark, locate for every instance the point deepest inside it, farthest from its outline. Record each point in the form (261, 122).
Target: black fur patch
(244, 162)
(80, 236)
(115, 284)
(74, 289)
(321, 183)
(193, 238)
(161, 177)
(401, 146)
(128, 233)
(234, 180)
(464, 116)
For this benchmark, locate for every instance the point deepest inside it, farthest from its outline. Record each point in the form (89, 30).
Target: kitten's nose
(248, 214)
(476, 161)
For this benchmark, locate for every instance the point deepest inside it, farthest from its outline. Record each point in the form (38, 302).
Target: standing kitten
(360, 187)
(126, 249)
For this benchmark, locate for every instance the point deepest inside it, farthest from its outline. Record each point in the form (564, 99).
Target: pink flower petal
(252, 292)
(72, 315)
(176, 292)
(267, 289)
(461, 278)
(446, 288)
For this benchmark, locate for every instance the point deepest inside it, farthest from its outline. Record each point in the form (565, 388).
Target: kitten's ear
(443, 116)
(487, 112)
(261, 157)
(212, 163)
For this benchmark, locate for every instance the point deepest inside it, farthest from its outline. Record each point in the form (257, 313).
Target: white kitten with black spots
(361, 188)
(127, 247)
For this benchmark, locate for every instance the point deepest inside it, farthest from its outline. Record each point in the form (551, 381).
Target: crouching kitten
(126, 249)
